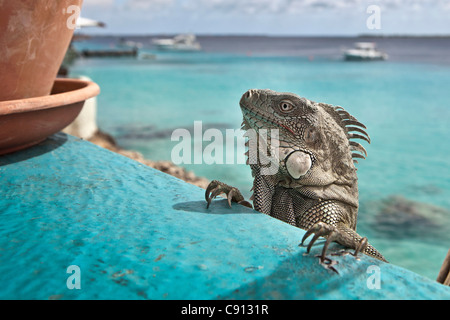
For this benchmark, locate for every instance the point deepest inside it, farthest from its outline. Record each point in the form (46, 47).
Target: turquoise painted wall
(137, 233)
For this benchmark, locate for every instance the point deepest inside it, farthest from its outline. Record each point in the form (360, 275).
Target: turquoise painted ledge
(137, 233)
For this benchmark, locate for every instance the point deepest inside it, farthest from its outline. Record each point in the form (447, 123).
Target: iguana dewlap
(314, 184)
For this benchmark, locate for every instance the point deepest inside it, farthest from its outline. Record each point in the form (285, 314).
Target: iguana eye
(286, 106)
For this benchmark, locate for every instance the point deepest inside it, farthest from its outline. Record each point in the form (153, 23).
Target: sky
(270, 17)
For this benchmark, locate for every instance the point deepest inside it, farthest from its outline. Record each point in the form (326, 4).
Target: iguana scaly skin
(315, 185)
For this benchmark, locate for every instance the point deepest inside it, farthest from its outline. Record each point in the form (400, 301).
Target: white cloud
(151, 5)
(266, 6)
(98, 3)
(302, 6)
(268, 16)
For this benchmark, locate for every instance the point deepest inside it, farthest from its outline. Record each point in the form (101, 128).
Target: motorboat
(182, 42)
(364, 51)
(124, 43)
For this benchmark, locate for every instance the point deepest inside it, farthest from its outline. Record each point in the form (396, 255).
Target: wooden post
(444, 273)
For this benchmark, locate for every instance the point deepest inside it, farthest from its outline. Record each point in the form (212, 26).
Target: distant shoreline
(377, 36)
(107, 141)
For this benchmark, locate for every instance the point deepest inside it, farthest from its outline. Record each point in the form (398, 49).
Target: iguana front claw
(321, 229)
(216, 188)
(340, 234)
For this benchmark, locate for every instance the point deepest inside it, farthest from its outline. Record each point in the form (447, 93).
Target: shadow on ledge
(216, 207)
(48, 145)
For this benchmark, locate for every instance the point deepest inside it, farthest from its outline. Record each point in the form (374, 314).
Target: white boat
(85, 22)
(364, 51)
(123, 43)
(182, 42)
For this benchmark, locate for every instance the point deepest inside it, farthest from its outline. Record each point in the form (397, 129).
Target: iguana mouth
(261, 116)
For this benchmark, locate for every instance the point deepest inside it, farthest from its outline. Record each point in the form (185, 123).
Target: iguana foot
(216, 188)
(342, 235)
(321, 229)
(327, 263)
(362, 245)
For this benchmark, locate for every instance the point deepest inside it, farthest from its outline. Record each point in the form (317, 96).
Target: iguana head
(316, 152)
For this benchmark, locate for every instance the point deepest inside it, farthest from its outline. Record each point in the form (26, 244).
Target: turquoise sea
(404, 184)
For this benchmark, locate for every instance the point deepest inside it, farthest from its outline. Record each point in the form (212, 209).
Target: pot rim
(79, 90)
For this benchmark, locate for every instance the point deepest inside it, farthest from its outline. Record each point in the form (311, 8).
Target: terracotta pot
(26, 122)
(34, 37)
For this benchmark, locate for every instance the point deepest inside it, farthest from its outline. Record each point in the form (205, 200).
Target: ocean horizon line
(269, 35)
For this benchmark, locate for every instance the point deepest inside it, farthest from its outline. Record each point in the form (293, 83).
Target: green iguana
(314, 186)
